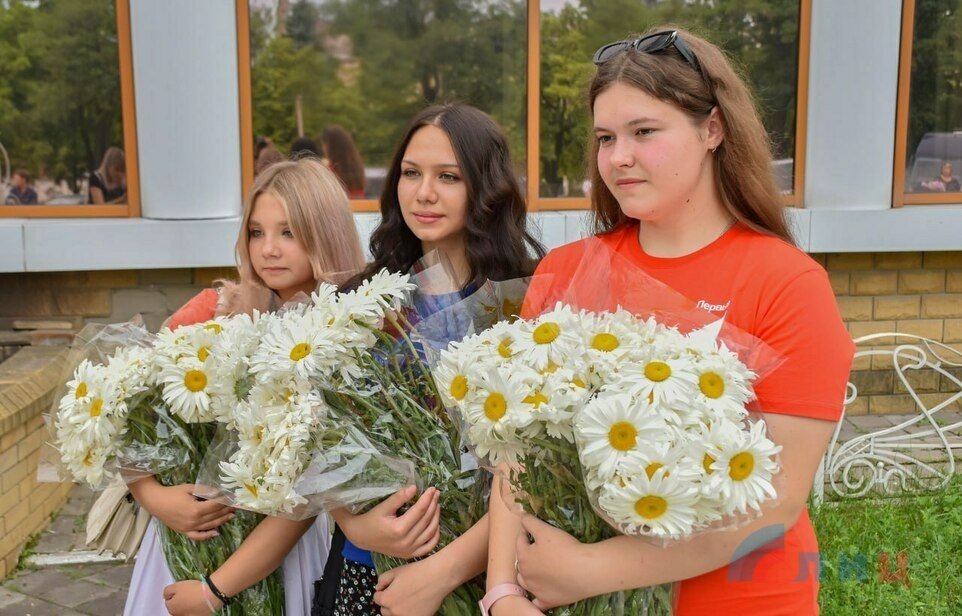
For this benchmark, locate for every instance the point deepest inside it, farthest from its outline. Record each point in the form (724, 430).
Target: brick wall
(27, 384)
(907, 292)
(106, 296)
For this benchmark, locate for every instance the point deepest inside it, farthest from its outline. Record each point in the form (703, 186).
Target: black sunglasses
(653, 43)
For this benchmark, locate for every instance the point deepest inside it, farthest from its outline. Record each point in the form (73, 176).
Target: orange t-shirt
(775, 292)
(202, 307)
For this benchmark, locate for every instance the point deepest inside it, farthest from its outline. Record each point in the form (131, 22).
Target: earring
(714, 149)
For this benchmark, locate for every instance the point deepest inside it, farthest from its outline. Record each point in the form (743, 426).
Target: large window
(762, 36)
(338, 75)
(66, 122)
(367, 66)
(929, 134)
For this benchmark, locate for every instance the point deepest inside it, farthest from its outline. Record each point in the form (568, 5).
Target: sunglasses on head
(652, 43)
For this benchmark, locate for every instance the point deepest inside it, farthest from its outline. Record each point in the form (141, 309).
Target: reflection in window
(761, 35)
(934, 145)
(60, 104)
(343, 77)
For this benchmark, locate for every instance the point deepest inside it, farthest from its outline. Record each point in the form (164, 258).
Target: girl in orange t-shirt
(682, 188)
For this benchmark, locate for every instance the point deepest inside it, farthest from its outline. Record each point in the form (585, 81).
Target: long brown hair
(346, 161)
(498, 244)
(320, 217)
(741, 163)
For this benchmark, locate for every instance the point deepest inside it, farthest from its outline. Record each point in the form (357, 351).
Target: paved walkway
(99, 589)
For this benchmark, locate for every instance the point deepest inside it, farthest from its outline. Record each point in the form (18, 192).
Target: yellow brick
(27, 303)
(952, 331)
(873, 382)
(859, 406)
(11, 542)
(850, 261)
(8, 458)
(926, 328)
(11, 438)
(864, 328)
(839, 282)
(897, 404)
(874, 283)
(922, 281)
(9, 498)
(40, 493)
(953, 281)
(855, 308)
(112, 279)
(862, 363)
(31, 443)
(883, 361)
(18, 513)
(921, 381)
(898, 260)
(896, 307)
(933, 400)
(949, 260)
(942, 306)
(88, 303)
(821, 258)
(207, 275)
(13, 476)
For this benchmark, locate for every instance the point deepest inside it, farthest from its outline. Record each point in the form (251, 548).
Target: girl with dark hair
(450, 188)
(682, 187)
(344, 159)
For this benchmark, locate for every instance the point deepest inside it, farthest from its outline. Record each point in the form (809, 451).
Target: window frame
(534, 200)
(131, 209)
(900, 197)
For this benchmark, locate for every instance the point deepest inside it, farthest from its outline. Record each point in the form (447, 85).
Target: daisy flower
(292, 346)
(724, 383)
(497, 407)
(665, 377)
(550, 340)
(612, 431)
(744, 470)
(658, 507)
(185, 390)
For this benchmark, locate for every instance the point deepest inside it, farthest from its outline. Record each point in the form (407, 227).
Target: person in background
(304, 146)
(944, 182)
(344, 159)
(108, 184)
(21, 193)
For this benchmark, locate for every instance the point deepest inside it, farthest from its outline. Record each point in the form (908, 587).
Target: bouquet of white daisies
(615, 421)
(139, 405)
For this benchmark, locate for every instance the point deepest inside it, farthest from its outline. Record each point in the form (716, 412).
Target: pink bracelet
(497, 593)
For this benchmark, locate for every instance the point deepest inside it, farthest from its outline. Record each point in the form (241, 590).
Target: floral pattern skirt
(355, 593)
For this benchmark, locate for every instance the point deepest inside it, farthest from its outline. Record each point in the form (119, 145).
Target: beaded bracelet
(224, 599)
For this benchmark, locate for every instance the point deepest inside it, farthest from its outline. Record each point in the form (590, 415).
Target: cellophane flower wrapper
(283, 447)
(598, 406)
(148, 396)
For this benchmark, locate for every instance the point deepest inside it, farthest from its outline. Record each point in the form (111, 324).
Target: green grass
(927, 528)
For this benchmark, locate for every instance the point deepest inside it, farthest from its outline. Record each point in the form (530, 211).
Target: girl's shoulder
(202, 307)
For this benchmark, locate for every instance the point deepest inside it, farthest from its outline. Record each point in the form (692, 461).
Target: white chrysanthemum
(668, 456)
(724, 383)
(658, 507)
(451, 375)
(743, 470)
(293, 345)
(228, 364)
(550, 340)
(86, 377)
(382, 292)
(496, 407)
(612, 340)
(133, 370)
(612, 431)
(185, 389)
(665, 376)
(555, 398)
(496, 345)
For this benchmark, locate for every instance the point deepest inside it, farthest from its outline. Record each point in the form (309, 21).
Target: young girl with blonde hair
(297, 230)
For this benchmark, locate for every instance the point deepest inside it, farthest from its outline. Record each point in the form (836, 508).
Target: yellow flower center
(652, 468)
(510, 309)
(551, 368)
(89, 458)
(578, 383)
(214, 327)
(605, 342)
(706, 463)
(96, 407)
(252, 489)
(741, 465)
(657, 371)
(459, 387)
(81, 391)
(504, 349)
(495, 406)
(546, 333)
(195, 381)
(203, 353)
(622, 436)
(712, 385)
(259, 435)
(651, 507)
(536, 399)
(300, 351)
